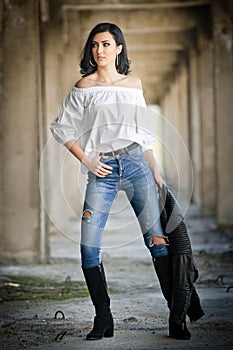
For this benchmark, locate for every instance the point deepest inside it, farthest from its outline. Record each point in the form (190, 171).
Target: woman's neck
(108, 76)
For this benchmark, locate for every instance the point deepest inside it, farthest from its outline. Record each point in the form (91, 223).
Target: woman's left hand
(158, 180)
(149, 155)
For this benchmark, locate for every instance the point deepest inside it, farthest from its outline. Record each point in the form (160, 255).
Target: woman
(100, 124)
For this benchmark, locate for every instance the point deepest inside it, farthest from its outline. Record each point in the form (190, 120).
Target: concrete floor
(139, 310)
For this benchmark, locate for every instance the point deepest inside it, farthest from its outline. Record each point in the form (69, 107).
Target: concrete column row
(177, 162)
(210, 122)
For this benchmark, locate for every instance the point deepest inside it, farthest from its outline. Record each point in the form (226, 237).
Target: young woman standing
(100, 125)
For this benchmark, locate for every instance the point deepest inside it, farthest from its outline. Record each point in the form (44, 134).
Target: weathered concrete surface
(224, 122)
(175, 109)
(208, 127)
(20, 197)
(195, 126)
(139, 309)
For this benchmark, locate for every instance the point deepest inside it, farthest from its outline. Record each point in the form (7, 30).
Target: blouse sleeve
(67, 125)
(143, 130)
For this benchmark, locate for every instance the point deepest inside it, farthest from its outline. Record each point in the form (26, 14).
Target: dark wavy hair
(87, 57)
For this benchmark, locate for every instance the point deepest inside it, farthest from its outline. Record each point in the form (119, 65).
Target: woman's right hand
(96, 166)
(93, 164)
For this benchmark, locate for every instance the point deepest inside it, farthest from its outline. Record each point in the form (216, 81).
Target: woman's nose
(99, 49)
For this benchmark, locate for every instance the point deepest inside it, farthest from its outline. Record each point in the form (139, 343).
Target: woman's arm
(93, 164)
(74, 148)
(149, 155)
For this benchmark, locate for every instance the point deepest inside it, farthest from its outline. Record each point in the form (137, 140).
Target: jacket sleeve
(66, 126)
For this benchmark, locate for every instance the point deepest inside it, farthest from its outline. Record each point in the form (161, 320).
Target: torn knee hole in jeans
(87, 215)
(159, 240)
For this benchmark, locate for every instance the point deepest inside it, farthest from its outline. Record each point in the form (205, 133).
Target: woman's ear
(119, 49)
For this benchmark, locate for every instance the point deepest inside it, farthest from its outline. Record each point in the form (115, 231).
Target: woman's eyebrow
(103, 41)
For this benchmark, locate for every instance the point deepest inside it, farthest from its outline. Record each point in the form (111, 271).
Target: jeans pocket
(136, 154)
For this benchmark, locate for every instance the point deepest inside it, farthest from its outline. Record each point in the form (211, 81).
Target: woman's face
(104, 49)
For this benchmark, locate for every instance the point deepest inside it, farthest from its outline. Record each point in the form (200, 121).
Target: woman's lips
(100, 58)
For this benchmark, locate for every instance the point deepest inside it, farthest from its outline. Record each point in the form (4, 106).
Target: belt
(120, 150)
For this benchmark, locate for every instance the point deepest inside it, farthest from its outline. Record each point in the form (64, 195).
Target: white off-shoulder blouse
(103, 119)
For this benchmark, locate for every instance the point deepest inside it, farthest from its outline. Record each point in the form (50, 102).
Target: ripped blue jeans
(131, 173)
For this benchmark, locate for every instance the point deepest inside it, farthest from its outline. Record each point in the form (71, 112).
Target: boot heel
(109, 332)
(179, 331)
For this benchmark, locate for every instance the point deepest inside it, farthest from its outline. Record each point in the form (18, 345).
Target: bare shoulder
(83, 82)
(134, 82)
(126, 81)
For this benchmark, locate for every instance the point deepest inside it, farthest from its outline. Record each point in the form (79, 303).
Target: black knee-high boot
(103, 321)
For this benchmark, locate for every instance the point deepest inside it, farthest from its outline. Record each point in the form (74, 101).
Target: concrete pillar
(70, 69)
(169, 113)
(175, 108)
(53, 152)
(1, 125)
(208, 132)
(184, 129)
(223, 63)
(71, 35)
(20, 203)
(195, 126)
(63, 197)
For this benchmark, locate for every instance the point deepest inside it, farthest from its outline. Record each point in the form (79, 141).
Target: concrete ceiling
(158, 33)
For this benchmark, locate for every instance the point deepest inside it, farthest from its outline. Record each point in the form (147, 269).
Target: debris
(60, 335)
(12, 284)
(130, 319)
(59, 312)
(219, 279)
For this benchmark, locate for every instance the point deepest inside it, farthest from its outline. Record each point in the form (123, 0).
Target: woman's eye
(106, 44)
(94, 45)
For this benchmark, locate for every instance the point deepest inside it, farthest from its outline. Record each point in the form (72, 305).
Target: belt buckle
(120, 151)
